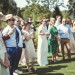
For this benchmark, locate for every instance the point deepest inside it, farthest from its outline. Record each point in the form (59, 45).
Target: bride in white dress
(42, 49)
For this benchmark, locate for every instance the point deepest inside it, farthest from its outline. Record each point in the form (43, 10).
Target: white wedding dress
(42, 49)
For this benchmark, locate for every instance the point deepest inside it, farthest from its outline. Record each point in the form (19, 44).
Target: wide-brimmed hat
(9, 16)
(1, 14)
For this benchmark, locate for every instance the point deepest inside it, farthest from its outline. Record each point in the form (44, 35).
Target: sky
(22, 3)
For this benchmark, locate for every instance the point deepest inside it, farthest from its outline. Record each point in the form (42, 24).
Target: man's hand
(11, 31)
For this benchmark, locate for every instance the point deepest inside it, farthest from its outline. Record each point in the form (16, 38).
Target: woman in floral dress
(52, 42)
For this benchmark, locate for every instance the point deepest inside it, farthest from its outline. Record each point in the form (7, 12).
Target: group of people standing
(15, 36)
(54, 39)
(16, 39)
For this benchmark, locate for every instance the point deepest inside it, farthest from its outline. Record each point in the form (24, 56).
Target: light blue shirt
(12, 41)
(64, 31)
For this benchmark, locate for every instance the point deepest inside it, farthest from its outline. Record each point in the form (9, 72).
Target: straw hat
(9, 16)
(1, 14)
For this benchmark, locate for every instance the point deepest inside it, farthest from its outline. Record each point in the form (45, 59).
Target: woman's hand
(5, 65)
(46, 33)
(7, 62)
(58, 38)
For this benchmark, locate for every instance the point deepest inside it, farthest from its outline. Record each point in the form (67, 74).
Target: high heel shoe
(29, 70)
(33, 69)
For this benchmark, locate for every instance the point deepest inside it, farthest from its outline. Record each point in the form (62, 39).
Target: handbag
(24, 45)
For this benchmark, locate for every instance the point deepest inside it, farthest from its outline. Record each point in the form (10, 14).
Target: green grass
(4, 24)
(65, 67)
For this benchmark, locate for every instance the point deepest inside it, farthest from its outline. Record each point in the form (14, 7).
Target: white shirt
(12, 41)
(57, 23)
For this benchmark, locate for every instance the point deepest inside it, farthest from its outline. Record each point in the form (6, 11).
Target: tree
(36, 12)
(12, 7)
(72, 8)
(56, 12)
(4, 5)
(8, 6)
(47, 3)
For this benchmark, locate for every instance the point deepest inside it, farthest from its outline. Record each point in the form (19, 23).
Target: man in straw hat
(11, 43)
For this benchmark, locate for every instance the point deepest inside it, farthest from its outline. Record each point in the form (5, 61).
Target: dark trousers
(19, 52)
(14, 57)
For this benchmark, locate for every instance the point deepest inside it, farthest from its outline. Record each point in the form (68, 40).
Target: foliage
(8, 6)
(3, 24)
(72, 8)
(35, 39)
(47, 3)
(36, 12)
(65, 14)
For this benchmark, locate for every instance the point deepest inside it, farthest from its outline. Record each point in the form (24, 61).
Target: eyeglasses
(11, 20)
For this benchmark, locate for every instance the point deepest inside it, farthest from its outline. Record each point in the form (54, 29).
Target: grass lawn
(65, 67)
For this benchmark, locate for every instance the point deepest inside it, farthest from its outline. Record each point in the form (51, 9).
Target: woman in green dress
(53, 42)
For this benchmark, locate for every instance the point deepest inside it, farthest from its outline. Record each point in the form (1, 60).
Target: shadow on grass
(44, 74)
(48, 70)
(45, 70)
(62, 61)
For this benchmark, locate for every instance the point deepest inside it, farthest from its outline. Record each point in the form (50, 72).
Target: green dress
(52, 42)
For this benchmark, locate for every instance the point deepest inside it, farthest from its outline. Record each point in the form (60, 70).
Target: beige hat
(9, 16)
(1, 14)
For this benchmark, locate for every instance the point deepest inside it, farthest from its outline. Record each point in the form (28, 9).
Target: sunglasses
(18, 21)
(11, 20)
(63, 21)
